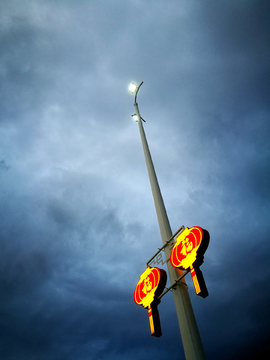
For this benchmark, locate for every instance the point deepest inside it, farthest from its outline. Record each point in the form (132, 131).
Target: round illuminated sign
(184, 252)
(150, 286)
(187, 253)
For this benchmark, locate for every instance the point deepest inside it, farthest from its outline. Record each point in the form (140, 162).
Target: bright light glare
(135, 117)
(132, 88)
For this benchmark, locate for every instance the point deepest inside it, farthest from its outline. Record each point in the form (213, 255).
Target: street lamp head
(135, 117)
(132, 88)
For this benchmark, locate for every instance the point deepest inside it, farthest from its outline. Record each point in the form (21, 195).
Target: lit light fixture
(132, 88)
(135, 117)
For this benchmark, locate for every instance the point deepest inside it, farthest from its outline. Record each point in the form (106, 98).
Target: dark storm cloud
(48, 287)
(77, 217)
(3, 165)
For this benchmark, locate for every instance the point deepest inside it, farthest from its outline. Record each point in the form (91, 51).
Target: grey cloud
(3, 165)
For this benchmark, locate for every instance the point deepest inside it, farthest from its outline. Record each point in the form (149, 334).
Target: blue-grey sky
(77, 216)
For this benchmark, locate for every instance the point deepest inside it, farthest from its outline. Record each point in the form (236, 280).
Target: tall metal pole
(191, 339)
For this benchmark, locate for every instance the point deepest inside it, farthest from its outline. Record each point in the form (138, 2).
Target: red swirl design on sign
(147, 286)
(150, 286)
(184, 252)
(187, 253)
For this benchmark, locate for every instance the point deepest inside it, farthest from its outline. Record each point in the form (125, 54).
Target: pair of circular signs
(187, 253)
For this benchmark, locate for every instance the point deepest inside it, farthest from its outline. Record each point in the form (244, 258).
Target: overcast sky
(77, 218)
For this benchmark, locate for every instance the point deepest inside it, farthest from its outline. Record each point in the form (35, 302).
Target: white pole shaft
(191, 339)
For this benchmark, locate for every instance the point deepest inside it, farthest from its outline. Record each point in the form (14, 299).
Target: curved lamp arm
(137, 92)
(135, 89)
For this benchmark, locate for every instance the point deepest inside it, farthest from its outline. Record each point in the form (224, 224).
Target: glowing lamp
(188, 252)
(135, 117)
(132, 88)
(150, 286)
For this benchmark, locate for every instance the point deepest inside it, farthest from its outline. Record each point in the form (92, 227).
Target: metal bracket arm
(167, 243)
(175, 283)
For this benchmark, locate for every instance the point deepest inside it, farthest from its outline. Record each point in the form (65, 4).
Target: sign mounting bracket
(167, 243)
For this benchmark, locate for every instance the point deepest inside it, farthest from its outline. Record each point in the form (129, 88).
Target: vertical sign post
(191, 339)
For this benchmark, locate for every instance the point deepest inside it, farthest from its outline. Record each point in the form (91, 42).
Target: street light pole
(191, 339)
